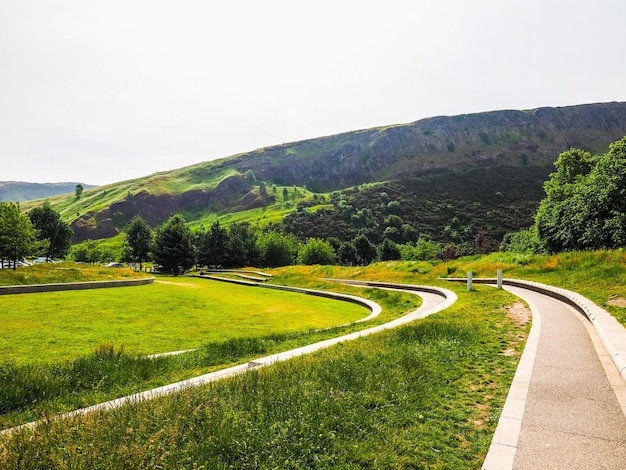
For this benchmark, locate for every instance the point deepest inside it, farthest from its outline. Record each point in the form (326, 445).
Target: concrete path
(566, 407)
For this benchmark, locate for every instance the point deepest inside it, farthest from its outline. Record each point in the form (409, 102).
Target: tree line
(175, 248)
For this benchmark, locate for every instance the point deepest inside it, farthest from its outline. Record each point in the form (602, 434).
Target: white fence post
(469, 280)
(499, 279)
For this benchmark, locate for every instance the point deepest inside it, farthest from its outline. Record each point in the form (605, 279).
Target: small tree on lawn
(139, 241)
(174, 248)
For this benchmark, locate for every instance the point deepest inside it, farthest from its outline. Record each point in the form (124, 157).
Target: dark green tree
(347, 255)
(213, 246)
(242, 249)
(366, 252)
(50, 227)
(138, 239)
(79, 191)
(174, 248)
(388, 250)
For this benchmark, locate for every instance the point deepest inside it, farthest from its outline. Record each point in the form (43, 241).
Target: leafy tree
(585, 207)
(388, 250)
(213, 246)
(523, 241)
(79, 191)
(317, 251)
(424, 249)
(277, 249)
(18, 237)
(558, 220)
(50, 227)
(242, 246)
(139, 241)
(365, 251)
(174, 248)
(88, 252)
(347, 254)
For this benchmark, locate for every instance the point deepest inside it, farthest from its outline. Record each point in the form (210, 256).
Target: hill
(18, 191)
(450, 177)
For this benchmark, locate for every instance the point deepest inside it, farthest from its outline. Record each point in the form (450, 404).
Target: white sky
(100, 91)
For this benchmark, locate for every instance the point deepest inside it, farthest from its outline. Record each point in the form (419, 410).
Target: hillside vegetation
(453, 177)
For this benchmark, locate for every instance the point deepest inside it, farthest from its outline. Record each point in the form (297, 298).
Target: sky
(103, 91)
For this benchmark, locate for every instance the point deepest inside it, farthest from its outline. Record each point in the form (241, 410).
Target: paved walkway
(566, 408)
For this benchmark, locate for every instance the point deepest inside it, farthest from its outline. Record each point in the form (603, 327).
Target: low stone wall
(32, 288)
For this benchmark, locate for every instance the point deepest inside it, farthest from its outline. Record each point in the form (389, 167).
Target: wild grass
(48, 273)
(425, 395)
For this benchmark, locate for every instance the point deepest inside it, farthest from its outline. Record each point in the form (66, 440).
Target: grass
(172, 314)
(63, 379)
(425, 395)
(48, 273)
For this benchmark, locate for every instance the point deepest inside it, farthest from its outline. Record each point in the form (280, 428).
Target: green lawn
(170, 315)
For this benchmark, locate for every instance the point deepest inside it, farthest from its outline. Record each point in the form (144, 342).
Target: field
(171, 314)
(427, 395)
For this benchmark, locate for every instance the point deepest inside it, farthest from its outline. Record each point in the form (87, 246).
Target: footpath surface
(566, 408)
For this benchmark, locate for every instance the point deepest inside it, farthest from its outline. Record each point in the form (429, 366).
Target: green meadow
(425, 395)
(171, 314)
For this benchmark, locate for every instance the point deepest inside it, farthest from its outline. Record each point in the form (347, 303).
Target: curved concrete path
(434, 300)
(566, 407)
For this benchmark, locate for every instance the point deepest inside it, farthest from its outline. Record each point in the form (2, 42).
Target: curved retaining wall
(373, 307)
(31, 288)
(612, 332)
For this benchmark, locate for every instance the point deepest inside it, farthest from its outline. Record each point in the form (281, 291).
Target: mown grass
(171, 314)
(424, 395)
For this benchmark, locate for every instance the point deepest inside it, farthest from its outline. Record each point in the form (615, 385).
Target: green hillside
(451, 176)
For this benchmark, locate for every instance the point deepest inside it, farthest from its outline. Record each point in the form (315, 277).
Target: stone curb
(61, 286)
(611, 332)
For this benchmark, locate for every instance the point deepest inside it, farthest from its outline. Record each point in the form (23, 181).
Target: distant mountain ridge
(467, 151)
(19, 191)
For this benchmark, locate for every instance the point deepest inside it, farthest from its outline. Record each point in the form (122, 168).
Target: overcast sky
(99, 91)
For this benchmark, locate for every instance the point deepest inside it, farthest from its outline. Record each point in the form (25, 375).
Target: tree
(79, 191)
(18, 237)
(277, 249)
(388, 250)
(242, 246)
(174, 248)
(213, 246)
(365, 251)
(139, 241)
(585, 207)
(317, 251)
(347, 254)
(50, 227)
